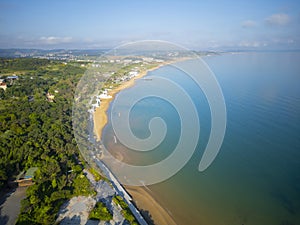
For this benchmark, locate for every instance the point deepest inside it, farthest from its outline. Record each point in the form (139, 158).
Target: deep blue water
(255, 178)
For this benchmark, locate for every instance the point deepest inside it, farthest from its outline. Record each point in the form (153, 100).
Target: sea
(255, 178)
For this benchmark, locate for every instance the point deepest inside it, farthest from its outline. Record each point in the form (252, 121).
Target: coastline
(146, 202)
(141, 196)
(100, 114)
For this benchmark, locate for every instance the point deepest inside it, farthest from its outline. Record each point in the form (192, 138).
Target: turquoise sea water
(255, 178)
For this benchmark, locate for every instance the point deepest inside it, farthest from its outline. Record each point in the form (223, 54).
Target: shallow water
(255, 178)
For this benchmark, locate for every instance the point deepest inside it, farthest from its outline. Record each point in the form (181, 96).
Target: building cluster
(25, 178)
(126, 77)
(50, 97)
(128, 61)
(8, 80)
(121, 78)
(104, 95)
(3, 84)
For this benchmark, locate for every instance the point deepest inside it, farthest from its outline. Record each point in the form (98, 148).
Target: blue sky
(219, 25)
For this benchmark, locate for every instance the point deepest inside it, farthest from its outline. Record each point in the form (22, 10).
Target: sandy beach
(141, 196)
(146, 202)
(100, 115)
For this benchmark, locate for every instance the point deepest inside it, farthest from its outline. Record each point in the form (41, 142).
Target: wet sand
(142, 197)
(145, 201)
(100, 115)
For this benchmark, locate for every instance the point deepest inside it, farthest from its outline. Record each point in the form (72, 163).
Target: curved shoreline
(100, 114)
(141, 197)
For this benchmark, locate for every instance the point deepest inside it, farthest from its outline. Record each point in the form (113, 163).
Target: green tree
(100, 212)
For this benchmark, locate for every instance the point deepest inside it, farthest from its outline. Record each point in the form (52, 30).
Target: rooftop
(30, 172)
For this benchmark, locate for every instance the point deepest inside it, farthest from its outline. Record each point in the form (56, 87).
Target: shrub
(100, 212)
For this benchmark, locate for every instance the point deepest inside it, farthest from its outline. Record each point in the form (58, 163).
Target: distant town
(68, 55)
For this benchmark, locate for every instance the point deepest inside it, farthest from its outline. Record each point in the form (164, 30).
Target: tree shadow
(75, 220)
(285, 201)
(4, 195)
(3, 219)
(147, 216)
(286, 222)
(92, 222)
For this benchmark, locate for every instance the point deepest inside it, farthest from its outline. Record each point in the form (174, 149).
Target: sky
(195, 24)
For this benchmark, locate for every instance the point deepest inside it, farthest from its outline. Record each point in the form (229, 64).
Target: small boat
(147, 79)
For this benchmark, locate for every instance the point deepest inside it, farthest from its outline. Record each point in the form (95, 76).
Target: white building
(105, 95)
(133, 73)
(3, 84)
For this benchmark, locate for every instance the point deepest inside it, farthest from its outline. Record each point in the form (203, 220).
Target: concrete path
(10, 206)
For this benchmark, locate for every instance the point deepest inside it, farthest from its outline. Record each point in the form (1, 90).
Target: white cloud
(248, 23)
(55, 40)
(279, 19)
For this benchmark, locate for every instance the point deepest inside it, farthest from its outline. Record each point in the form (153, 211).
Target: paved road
(117, 186)
(121, 191)
(10, 207)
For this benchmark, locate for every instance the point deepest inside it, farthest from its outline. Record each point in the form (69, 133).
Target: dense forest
(37, 131)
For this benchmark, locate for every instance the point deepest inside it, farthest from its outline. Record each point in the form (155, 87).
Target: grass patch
(96, 175)
(125, 210)
(82, 186)
(100, 212)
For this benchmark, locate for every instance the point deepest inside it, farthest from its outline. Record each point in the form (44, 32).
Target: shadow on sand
(147, 216)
